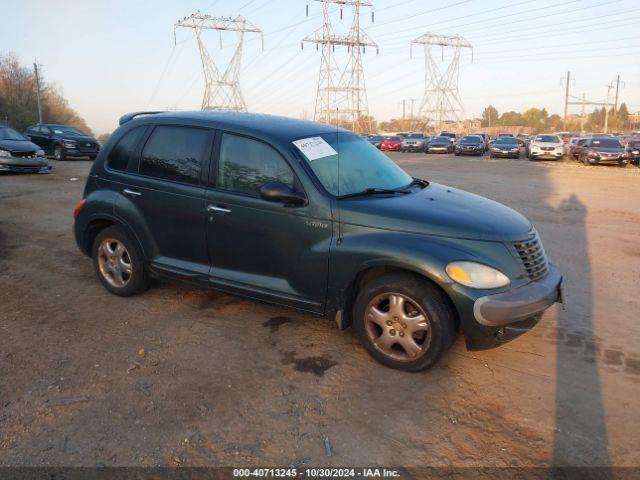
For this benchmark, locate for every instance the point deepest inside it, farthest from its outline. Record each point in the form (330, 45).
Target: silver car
(413, 142)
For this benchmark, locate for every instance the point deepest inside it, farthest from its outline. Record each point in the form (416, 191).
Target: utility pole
(606, 109)
(615, 107)
(35, 68)
(582, 117)
(222, 90)
(441, 102)
(566, 100)
(341, 94)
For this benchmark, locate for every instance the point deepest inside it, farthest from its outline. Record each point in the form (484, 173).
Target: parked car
(440, 145)
(633, 151)
(523, 139)
(391, 143)
(254, 206)
(570, 146)
(598, 150)
(63, 141)
(505, 147)
(413, 142)
(546, 147)
(19, 155)
(452, 136)
(470, 145)
(485, 137)
(376, 140)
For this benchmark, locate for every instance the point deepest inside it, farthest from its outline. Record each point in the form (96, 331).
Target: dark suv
(303, 215)
(63, 141)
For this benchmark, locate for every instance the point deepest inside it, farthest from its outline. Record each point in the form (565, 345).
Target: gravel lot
(182, 376)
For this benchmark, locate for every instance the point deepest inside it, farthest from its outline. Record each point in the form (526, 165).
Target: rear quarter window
(125, 148)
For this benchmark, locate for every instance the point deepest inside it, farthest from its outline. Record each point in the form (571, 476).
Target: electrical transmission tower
(222, 90)
(441, 102)
(342, 98)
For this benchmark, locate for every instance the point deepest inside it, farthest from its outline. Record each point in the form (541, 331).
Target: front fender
(362, 248)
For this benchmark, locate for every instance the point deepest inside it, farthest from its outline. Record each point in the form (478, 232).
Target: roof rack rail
(130, 116)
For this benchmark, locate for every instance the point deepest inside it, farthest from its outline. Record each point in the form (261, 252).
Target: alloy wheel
(398, 327)
(114, 262)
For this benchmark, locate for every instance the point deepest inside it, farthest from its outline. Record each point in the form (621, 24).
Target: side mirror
(279, 192)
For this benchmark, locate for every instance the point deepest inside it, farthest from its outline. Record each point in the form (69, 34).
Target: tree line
(18, 100)
(539, 120)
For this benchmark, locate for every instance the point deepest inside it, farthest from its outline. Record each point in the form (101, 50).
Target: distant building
(634, 121)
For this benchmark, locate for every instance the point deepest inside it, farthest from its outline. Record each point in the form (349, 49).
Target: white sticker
(314, 148)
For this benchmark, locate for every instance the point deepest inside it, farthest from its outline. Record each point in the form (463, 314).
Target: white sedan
(546, 147)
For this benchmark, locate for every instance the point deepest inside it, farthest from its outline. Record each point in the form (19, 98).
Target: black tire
(492, 156)
(138, 280)
(59, 153)
(457, 154)
(92, 157)
(432, 301)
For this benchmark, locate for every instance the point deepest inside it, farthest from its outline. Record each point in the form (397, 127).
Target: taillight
(76, 211)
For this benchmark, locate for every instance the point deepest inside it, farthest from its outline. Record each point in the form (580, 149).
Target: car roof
(282, 128)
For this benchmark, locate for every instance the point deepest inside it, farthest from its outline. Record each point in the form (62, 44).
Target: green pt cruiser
(308, 216)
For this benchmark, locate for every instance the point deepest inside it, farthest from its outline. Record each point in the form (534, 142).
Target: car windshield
(392, 139)
(606, 143)
(362, 165)
(548, 139)
(62, 129)
(375, 138)
(441, 140)
(506, 141)
(7, 133)
(415, 135)
(470, 140)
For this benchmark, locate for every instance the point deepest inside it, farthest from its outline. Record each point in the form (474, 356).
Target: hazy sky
(115, 56)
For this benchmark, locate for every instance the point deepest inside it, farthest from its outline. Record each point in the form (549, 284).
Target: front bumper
(24, 165)
(520, 303)
(74, 152)
(464, 151)
(506, 154)
(550, 155)
(412, 148)
(438, 150)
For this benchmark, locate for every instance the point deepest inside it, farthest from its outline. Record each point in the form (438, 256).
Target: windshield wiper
(373, 191)
(417, 181)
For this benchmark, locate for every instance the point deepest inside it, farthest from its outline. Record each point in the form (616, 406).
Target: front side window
(362, 166)
(175, 153)
(246, 165)
(124, 149)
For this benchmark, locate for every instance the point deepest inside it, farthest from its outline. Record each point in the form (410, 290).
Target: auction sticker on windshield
(314, 148)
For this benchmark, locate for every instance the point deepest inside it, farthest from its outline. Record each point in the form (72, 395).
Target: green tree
(510, 118)
(489, 116)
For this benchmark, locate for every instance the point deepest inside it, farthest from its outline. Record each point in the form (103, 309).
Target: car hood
(76, 138)
(546, 144)
(608, 149)
(438, 210)
(18, 145)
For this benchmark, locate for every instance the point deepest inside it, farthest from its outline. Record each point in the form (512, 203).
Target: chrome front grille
(533, 257)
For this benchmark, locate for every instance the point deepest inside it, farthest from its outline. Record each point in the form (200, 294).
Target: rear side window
(175, 153)
(124, 149)
(246, 165)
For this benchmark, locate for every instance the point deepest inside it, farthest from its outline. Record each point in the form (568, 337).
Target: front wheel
(59, 153)
(118, 262)
(404, 321)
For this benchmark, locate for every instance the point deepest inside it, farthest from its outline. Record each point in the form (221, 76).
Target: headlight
(40, 153)
(4, 154)
(69, 144)
(476, 275)
(515, 149)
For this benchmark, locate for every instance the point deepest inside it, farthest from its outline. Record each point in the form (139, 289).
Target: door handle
(214, 208)
(131, 193)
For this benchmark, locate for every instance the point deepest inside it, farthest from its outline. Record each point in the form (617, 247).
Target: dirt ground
(182, 376)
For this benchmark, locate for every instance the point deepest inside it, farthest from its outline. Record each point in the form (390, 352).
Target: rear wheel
(118, 263)
(404, 321)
